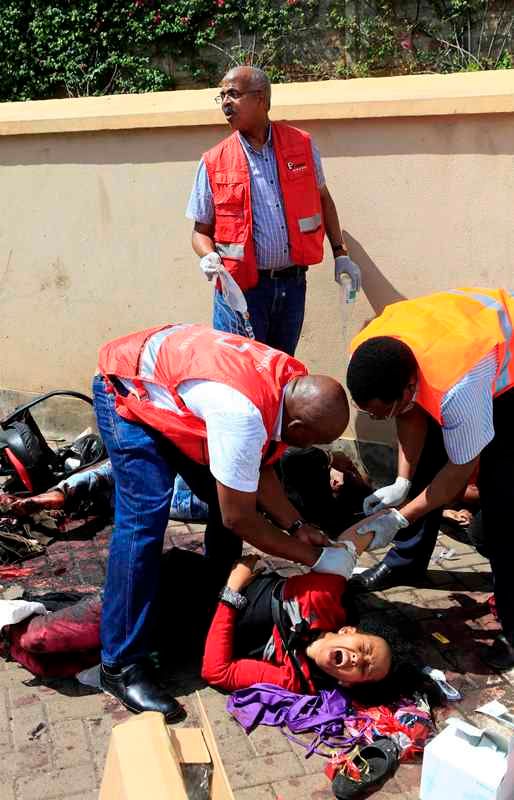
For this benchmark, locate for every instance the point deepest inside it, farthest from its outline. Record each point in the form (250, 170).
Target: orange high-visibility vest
(162, 358)
(229, 179)
(449, 333)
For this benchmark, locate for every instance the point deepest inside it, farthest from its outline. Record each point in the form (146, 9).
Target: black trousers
(306, 479)
(222, 546)
(413, 546)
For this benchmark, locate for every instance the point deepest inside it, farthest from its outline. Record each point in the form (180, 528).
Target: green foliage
(57, 48)
(387, 37)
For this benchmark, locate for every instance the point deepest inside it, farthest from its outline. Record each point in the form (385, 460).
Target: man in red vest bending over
(219, 410)
(261, 207)
(443, 367)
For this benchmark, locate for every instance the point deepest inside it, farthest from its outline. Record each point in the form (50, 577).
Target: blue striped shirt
(269, 224)
(467, 412)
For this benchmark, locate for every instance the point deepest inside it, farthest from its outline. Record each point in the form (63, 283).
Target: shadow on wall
(380, 292)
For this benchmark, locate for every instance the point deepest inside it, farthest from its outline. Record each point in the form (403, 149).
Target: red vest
(166, 356)
(449, 333)
(229, 178)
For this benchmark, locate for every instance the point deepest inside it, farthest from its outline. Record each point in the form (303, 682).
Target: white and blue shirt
(467, 411)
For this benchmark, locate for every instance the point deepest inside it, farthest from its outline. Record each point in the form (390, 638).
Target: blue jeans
(185, 505)
(143, 482)
(145, 465)
(276, 307)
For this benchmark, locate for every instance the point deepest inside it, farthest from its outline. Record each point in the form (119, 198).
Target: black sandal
(376, 762)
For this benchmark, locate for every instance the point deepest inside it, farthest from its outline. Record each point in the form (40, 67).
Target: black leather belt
(279, 274)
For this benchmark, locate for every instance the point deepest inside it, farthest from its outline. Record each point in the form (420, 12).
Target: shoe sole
(179, 714)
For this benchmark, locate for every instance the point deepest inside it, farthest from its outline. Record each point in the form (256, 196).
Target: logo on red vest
(297, 167)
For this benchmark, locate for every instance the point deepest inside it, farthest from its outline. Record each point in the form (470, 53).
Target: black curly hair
(380, 369)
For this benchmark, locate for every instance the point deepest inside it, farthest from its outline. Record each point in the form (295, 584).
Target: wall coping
(489, 92)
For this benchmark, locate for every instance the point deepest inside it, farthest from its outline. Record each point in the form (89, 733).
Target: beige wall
(94, 242)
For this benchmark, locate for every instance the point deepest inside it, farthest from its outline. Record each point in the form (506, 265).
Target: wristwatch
(233, 598)
(297, 524)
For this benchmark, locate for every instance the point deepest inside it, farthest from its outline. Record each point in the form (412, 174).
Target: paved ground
(53, 737)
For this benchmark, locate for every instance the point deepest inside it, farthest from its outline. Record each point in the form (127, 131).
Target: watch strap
(297, 524)
(233, 598)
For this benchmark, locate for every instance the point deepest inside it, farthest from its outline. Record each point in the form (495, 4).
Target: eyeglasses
(371, 415)
(233, 94)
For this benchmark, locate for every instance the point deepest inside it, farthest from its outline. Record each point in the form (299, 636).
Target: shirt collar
(247, 144)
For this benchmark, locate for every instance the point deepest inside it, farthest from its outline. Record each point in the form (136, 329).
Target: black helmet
(26, 459)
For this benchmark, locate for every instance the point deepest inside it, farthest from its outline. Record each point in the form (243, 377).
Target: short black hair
(380, 369)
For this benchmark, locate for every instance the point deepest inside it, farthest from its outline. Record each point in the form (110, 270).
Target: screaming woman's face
(351, 657)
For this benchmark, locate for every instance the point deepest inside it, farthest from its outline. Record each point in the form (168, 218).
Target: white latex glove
(210, 264)
(337, 560)
(384, 527)
(344, 265)
(387, 496)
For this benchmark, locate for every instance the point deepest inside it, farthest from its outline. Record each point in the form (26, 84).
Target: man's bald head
(315, 411)
(250, 79)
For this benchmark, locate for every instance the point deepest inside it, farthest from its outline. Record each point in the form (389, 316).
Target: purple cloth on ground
(266, 704)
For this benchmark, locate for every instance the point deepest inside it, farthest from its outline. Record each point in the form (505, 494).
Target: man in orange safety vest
(443, 367)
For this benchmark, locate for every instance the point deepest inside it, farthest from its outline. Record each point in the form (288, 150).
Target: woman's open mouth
(340, 658)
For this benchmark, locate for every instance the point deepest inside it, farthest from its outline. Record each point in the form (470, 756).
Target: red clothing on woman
(319, 600)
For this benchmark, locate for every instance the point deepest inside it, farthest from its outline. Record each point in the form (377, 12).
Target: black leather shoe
(499, 655)
(381, 577)
(137, 687)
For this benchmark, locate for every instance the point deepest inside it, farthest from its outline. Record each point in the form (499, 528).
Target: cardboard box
(146, 758)
(466, 763)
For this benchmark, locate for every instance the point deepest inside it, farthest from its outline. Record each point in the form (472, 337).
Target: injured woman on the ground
(292, 631)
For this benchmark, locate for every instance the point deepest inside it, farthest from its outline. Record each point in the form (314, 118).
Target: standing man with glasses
(443, 367)
(261, 208)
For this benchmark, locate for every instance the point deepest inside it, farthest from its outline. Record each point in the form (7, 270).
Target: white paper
(499, 712)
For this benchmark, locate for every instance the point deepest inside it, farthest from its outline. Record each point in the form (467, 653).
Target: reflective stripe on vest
(307, 224)
(235, 251)
(151, 349)
(502, 378)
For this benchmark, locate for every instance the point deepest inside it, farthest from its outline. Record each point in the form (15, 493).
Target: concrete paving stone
(31, 756)
(70, 745)
(25, 722)
(5, 722)
(224, 726)
(15, 763)
(264, 769)
(13, 675)
(6, 790)
(305, 787)
(81, 796)
(255, 793)
(234, 750)
(266, 741)
(98, 731)
(473, 700)
(92, 705)
(408, 779)
(314, 764)
(55, 783)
